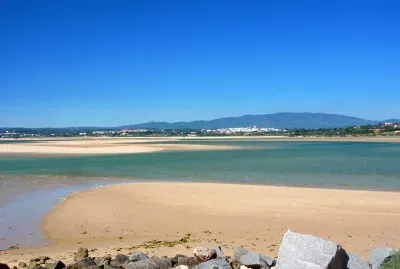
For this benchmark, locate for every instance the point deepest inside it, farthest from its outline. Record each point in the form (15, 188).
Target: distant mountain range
(285, 120)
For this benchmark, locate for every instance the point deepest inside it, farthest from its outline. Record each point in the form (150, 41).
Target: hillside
(277, 120)
(391, 120)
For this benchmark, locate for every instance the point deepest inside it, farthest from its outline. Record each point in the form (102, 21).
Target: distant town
(107, 132)
(381, 129)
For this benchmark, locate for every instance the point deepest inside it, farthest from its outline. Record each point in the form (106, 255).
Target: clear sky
(110, 63)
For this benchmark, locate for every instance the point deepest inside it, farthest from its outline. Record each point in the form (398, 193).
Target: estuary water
(373, 166)
(35, 184)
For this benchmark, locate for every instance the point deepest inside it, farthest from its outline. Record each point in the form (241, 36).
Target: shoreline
(65, 181)
(177, 138)
(74, 149)
(112, 146)
(284, 206)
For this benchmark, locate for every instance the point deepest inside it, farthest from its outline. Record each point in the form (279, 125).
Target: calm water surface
(322, 164)
(35, 184)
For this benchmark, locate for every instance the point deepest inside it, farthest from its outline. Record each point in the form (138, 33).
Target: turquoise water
(34, 184)
(23, 141)
(17, 141)
(20, 219)
(351, 165)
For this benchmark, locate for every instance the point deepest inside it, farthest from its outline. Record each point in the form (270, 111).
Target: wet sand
(122, 217)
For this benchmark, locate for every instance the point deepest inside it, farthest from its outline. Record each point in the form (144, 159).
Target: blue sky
(109, 63)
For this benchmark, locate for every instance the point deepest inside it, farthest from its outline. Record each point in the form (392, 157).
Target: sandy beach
(123, 217)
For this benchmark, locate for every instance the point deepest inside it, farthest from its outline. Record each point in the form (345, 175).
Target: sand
(108, 145)
(99, 146)
(119, 218)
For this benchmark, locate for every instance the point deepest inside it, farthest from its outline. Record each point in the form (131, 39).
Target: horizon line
(172, 122)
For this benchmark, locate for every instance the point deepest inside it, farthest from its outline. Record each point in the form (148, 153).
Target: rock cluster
(297, 251)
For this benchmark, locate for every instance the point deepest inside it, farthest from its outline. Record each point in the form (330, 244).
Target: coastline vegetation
(382, 129)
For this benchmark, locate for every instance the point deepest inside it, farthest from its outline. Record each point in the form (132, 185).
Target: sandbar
(107, 145)
(99, 146)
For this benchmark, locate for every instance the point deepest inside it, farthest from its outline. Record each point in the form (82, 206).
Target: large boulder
(81, 254)
(204, 254)
(120, 260)
(253, 260)
(21, 265)
(214, 264)
(302, 251)
(153, 263)
(137, 256)
(83, 264)
(380, 256)
(356, 262)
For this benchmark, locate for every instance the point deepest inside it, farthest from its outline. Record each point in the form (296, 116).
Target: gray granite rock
(253, 260)
(174, 260)
(204, 254)
(108, 266)
(237, 253)
(120, 260)
(81, 254)
(84, 263)
(137, 256)
(379, 256)
(100, 261)
(188, 261)
(55, 265)
(214, 264)
(219, 252)
(153, 263)
(356, 262)
(166, 261)
(302, 251)
(270, 261)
